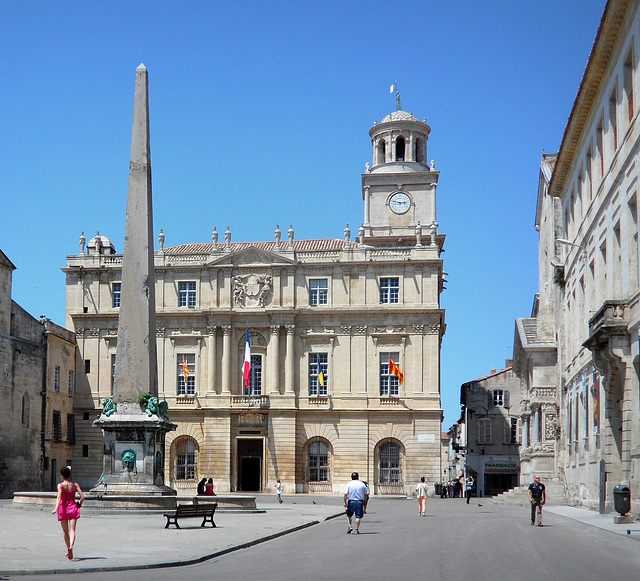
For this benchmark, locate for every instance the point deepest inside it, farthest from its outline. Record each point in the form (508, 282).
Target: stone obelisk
(133, 461)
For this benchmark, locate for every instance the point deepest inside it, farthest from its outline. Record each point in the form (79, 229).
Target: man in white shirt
(355, 502)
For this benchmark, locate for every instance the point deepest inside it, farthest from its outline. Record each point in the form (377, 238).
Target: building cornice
(607, 37)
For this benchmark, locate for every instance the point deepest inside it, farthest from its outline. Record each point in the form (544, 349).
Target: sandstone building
(490, 410)
(327, 320)
(37, 384)
(578, 353)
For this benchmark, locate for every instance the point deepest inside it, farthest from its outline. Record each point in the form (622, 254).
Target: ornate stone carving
(250, 419)
(418, 329)
(361, 329)
(346, 329)
(252, 290)
(550, 427)
(434, 329)
(256, 340)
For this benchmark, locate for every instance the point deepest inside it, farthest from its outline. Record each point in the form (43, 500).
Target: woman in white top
(421, 490)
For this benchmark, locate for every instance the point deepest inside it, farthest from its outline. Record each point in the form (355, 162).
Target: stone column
(211, 367)
(525, 432)
(274, 360)
(535, 435)
(226, 359)
(290, 361)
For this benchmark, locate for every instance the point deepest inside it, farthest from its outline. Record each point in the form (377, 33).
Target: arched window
(389, 463)
(382, 155)
(419, 153)
(400, 149)
(26, 410)
(318, 461)
(185, 456)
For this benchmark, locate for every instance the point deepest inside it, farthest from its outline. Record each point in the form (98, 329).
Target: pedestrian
(208, 489)
(537, 497)
(202, 486)
(469, 487)
(68, 509)
(279, 490)
(355, 502)
(421, 491)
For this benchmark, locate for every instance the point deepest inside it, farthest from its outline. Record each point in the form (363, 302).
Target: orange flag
(395, 370)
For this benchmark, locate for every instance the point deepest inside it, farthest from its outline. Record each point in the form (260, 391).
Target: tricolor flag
(185, 369)
(246, 366)
(395, 370)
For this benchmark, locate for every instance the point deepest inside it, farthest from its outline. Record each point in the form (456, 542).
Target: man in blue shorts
(355, 502)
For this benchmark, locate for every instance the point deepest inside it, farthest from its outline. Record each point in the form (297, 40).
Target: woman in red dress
(68, 509)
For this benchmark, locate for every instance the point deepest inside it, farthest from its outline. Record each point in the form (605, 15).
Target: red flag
(185, 369)
(395, 370)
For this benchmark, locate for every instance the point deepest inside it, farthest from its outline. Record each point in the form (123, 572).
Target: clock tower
(399, 189)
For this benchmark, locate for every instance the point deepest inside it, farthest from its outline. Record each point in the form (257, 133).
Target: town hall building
(344, 333)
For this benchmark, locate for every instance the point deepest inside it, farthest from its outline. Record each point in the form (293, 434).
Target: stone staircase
(518, 496)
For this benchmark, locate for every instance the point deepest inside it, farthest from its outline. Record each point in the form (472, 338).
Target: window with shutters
(484, 431)
(499, 398)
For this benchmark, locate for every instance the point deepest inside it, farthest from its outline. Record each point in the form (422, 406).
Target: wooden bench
(191, 511)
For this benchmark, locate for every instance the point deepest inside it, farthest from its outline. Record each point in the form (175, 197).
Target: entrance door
(250, 465)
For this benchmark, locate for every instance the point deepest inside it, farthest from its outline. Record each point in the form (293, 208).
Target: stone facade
(346, 305)
(581, 356)
(37, 379)
(490, 411)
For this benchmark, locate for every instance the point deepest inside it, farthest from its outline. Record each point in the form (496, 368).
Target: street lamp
(569, 243)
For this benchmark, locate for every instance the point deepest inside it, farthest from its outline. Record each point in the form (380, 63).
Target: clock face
(400, 202)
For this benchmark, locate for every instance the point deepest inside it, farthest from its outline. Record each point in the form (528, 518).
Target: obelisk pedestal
(134, 438)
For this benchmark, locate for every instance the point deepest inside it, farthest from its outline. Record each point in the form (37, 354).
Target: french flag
(246, 367)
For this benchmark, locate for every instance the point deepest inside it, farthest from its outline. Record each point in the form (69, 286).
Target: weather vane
(394, 88)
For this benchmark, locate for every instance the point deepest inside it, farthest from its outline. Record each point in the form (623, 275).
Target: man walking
(537, 498)
(355, 502)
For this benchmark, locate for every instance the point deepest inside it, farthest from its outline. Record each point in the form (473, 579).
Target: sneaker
(539, 524)
(355, 532)
(349, 530)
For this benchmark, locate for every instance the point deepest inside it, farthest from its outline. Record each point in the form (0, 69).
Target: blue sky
(260, 115)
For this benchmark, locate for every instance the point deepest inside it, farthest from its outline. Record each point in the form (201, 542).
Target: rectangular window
(56, 431)
(116, 291)
(71, 383)
(389, 290)
(613, 118)
(588, 174)
(600, 147)
(56, 378)
(85, 450)
(484, 431)
(87, 366)
(634, 257)
(628, 85)
(514, 430)
(318, 291)
(318, 362)
(113, 372)
(186, 377)
(388, 382)
(71, 429)
(187, 294)
(255, 377)
(498, 397)
(595, 392)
